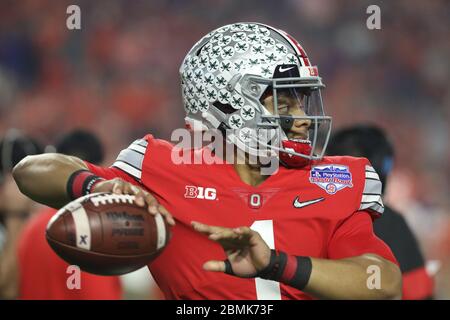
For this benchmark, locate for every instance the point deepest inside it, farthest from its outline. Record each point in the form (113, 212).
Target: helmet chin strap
(290, 160)
(293, 161)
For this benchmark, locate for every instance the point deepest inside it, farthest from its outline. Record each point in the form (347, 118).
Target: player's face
(291, 103)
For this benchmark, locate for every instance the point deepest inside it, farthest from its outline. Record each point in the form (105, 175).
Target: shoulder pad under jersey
(371, 198)
(130, 160)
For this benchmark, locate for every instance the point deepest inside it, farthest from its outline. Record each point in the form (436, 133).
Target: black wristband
(228, 267)
(80, 183)
(276, 266)
(303, 273)
(294, 271)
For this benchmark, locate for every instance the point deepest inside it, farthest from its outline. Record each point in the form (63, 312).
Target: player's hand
(120, 186)
(246, 250)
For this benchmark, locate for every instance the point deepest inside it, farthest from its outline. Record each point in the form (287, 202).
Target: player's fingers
(200, 227)
(206, 229)
(139, 195)
(134, 189)
(118, 186)
(127, 188)
(246, 232)
(214, 265)
(152, 203)
(227, 234)
(137, 192)
(243, 230)
(166, 214)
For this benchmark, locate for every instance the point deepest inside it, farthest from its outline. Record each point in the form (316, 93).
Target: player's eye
(283, 108)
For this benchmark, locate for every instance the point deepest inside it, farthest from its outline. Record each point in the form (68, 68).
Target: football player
(302, 232)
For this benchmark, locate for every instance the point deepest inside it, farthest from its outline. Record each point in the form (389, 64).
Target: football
(107, 234)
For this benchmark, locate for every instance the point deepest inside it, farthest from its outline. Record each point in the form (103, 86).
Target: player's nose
(300, 122)
(300, 128)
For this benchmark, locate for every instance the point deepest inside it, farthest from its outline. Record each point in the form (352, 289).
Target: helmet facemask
(294, 148)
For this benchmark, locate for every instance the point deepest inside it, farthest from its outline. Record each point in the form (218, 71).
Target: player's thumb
(214, 265)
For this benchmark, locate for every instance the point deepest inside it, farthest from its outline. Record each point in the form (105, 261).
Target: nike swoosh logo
(283, 70)
(298, 204)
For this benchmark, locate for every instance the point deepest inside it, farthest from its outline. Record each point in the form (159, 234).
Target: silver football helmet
(226, 77)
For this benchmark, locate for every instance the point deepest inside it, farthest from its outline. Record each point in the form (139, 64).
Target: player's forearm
(354, 278)
(43, 178)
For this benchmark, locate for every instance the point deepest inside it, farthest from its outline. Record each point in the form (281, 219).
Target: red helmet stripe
(297, 47)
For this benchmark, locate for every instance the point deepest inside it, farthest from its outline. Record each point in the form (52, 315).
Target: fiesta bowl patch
(331, 178)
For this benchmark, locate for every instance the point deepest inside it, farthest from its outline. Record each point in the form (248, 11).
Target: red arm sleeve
(417, 285)
(355, 237)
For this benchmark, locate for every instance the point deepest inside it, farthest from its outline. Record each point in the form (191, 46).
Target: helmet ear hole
(225, 108)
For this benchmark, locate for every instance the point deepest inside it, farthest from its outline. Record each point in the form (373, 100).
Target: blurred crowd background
(118, 76)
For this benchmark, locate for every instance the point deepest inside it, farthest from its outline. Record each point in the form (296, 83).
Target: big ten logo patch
(194, 192)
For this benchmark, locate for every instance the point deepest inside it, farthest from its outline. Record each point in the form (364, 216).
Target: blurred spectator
(14, 207)
(43, 275)
(371, 142)
(82, 144)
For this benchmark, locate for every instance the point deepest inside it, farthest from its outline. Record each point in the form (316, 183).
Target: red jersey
(323, 211)
(43, 275)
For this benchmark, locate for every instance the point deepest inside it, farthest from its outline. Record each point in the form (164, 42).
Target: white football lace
(112, 198)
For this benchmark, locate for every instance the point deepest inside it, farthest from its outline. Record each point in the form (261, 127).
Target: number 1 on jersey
(266, 289)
